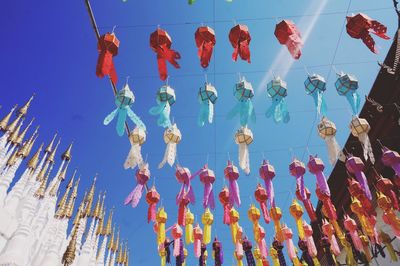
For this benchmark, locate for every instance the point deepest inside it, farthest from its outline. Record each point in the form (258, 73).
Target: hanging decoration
(360, 128)
(160, 43)
(367, 220)
(267, 173)
(296, 211)
(254, 215)
(327, 131)
(389, 214)
(137, 137)
(308, 238)
(307, 203)
(329, 232)
(387, 241)
(224, 198)
(182, 203)
(176, 233)
(107, 46)
(123, 100)
(205, 42)
(297, 169)
(277, 91)
(305, 257)
(243, 138)
(292, 252)
(207, 97)
(261, 196)
(204, 255)
(189, 220)
(316, 166)
(276, 215)
(142, 176)
(326, 245)
(386, 186)
(207, 177)
(152, 198)
(243, 92)
(351, 227)
(315, 86)
(260, 260)
(198, 238)
(247, 246)
(287, 34)
(277, 249)
(392, 159)
(184, 177)
(165, 99)
(240, 38)
(360, 26)
(239, 252)
(231, 173)
(236, 232)
(356, 166)
(207, 219)
(172, 136)
(328, 208)
(347, 85)
(161, 219)
(218, 253)
(358, 193)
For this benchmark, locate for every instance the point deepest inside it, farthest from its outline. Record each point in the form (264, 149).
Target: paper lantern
(287, 34)
(107, 46)
(277, 91)
(224, 198)
(243, 138)
(315, 86)
(207, 219)
(240, 38)
(152, 198)
(142, 176)
(231, 173)
(205, 41)
(347, 85)
(207, 97)
(137, 137)
(172, 136)
(243, 92)
(327, 131)
(261, 196)
(165, 99)
(207, 177)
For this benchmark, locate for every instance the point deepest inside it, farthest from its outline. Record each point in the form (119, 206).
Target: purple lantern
(356, 166)
(316, 167)
(297, 169)
(267, 173)
(232, 174)
(207, 177)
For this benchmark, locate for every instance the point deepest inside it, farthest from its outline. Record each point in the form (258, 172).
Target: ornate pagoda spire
(33, 162)
(20, 137)
(6, 119)
(102, 206)
(125, 258)
(120, 257)
(90, 198)
(66, 156)
(24, 109)
(69, 210)
(115, 248)
(69, 254)
(32, 143)
(42, 172)
(13, 125)
(61, 177)
(107, 229)
(15, 133)
(12, 159)
(52, 155)
(27, 146)
(81, 208)
(40, 192)
(62, 204)
(96, 211)
(111, 242)
(100, 225)
(49, 147)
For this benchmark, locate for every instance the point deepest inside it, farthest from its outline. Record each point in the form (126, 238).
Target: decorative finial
(11, 127)
(12, 159)
(62, 204)
(120, 257)
(125, 258)
(71, 204)
(35, 158)
(27, 146)
(96, 212)
(53, 153)
(24, 109)
(21, 137)
(49, 147)
(66, 156)
(80, 209)
(14, 135)
(107, 229)
(69, 254)
(42, 189)
(6, 119)
(100, 224)
(111, 242)
(90, 198)
(116, 243)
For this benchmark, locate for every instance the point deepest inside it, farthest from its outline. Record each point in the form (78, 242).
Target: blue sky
(49, 48)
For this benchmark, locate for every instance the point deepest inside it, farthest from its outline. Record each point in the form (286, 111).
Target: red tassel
(205, 41)
(264, 211)
(310, 210)
(151, 213)
(108, 48)
(182, 211)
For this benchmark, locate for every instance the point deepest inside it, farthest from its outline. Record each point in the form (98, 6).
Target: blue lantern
(277, 91)
(165, 99)
(123, 100)
(347, 85)
(243, 92)
(207, 98)
(315, 86)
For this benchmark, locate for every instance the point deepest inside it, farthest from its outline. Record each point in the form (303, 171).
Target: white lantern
(172, 136)
(360, 128)
(244, 137)
(137, 138)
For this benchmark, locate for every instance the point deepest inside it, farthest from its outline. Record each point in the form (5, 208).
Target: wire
(246, 19)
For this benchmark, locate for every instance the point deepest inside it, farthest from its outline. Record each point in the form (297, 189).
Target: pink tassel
(197, 248)
(151, 215)
(334, 246)
(177, 247)
(227, 218)
(357, 241)
(291, 249)
(135, 196)
(239, 249)
(312, 250)
(264, 211)
(262, 245)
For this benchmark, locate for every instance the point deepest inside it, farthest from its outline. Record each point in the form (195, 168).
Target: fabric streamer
(360, 128)
(277, 91)
(307, 203)
(152, 198)
(107, 46)
(356, 166)
(198, 237)
(392, 159)
(352, 228)
(305, 256)
(203, 256)
(142, 176)
(308, 237)
(224, 198)
(218, 252)
(172, 136)
(389, 216)
(326, 245)
(123, 100)
(176, 233)
(366, 219)
(288, 235)
(207, 98)
(161, 219)
(207, 177)
(360, 26)
(297, 212)
(165, 99)
(386, 186)
(357, 192)
(287, 34)
(207, 219)
(182, 206)
(240, 38)
(315, 86)
(184, 177)
(267, 173)
(277, 246)
(243, 138)
(160, 43)
(316, 166)
(247, 246)
(347, 85)
(276, 215)
(327, 131)
(189, 220)
(387, 241)
(329, 232)
(261, 196)
(243, 92)
(137, 137)
(328, 208)
(231, 173)
(254, 215)
(239, 252)
(205, 42)
(297, 169)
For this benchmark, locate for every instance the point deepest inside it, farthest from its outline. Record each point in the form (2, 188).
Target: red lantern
(287, 34)
(205, 41)
(261, 196)
(183, 203)
(240, 38)
(161, 43)
(307, 204)
(152, 198)
(360, 26)
(357, 192)
(224, 199)
(108, 48)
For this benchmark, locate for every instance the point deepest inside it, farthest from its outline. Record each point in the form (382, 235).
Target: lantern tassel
(163, 110)
(169, 155)
(333, 149)
(278, 110)
(234, 195)
(244, 158)
(354, 101)
(151, 213)
(270, 191)
(134, 157)
(319, 101)
(135, 195)
(206, 112)
(208, 198)
(368, 152)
